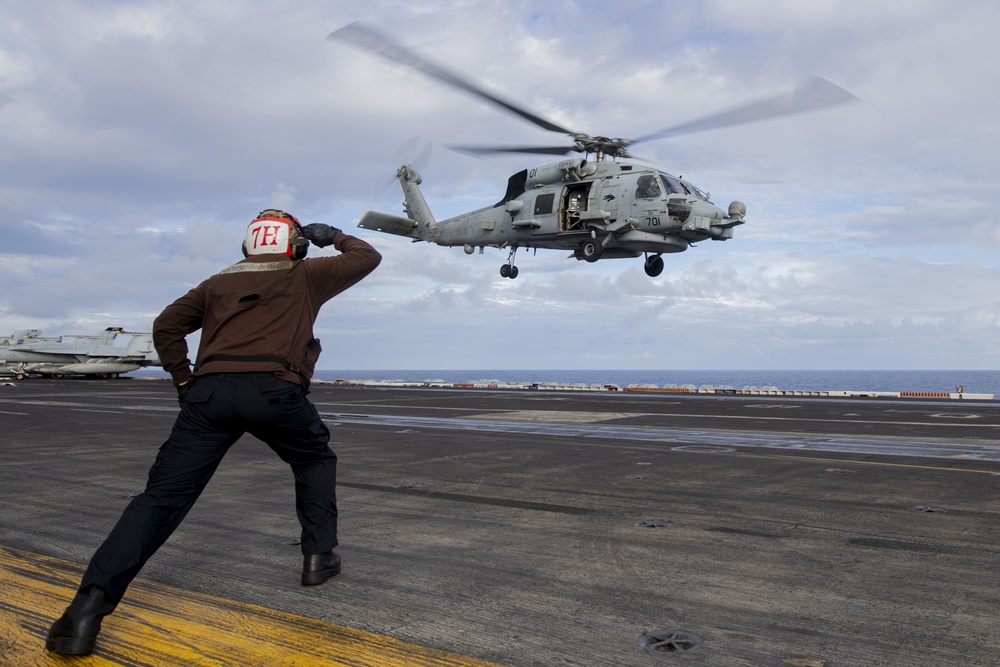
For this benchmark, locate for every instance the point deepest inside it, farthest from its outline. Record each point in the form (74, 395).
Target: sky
(139, 138)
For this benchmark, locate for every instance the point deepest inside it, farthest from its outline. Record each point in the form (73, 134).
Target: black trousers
(218, 410)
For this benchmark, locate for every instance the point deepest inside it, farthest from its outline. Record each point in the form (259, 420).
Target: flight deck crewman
(251, 375)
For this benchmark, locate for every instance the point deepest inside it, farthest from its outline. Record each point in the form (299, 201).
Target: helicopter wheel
(653, 266)
(592, 250)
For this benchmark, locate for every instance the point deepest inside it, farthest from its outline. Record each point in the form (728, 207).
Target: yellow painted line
(163, 626)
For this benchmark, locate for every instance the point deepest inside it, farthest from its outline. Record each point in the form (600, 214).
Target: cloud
(137, 139)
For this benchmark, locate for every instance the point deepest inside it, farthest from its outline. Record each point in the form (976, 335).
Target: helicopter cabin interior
(575, 203)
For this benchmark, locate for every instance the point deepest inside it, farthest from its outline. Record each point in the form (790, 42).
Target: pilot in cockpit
(648, 187)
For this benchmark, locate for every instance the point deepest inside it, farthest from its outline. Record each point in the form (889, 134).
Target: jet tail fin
(141, 346)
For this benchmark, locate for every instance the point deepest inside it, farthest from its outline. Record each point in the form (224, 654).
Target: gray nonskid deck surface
(532, 528)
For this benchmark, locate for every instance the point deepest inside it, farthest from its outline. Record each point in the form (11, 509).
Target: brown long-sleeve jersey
(264, 306)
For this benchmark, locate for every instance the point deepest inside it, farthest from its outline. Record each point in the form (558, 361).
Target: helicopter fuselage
(593, 209)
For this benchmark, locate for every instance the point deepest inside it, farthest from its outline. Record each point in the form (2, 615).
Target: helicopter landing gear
(653, 266)
(592, 250)
(508, 270)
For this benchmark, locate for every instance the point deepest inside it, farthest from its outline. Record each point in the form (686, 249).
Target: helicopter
(594, 208)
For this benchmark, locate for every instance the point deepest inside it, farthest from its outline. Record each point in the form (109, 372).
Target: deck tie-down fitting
(670, 641)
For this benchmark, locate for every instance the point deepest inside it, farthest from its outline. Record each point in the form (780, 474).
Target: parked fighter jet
(105, 354)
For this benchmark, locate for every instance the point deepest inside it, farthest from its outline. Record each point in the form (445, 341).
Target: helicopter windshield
(697, 193)
(673, 186)
(676, 186)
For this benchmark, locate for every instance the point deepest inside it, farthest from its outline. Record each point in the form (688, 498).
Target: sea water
(978, 382)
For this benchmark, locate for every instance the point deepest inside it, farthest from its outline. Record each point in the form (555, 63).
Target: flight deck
(526, 528)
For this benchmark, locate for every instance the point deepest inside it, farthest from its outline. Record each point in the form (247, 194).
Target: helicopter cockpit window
(697, 192)
(673, 186)
(543, 203)
(647, 188)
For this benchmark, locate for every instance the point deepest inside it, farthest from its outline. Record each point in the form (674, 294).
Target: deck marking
(163, 626)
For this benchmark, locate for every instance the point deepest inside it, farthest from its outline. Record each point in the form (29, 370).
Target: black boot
(319, 567)
(76, 630)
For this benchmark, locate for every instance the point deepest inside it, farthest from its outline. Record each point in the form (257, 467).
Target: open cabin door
(574, 207)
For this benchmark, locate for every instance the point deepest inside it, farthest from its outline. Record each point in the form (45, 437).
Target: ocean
(980, 382)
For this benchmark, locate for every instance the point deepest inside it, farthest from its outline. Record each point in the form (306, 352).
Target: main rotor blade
(370, 40)
(815, 93)
(542, 150)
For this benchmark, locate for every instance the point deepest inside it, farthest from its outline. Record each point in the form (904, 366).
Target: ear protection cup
(300, 247)
(299, 243)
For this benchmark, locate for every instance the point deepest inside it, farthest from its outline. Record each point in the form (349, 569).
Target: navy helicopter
(594, 208)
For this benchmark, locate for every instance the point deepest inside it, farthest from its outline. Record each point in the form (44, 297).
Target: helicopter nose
(722, 228)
